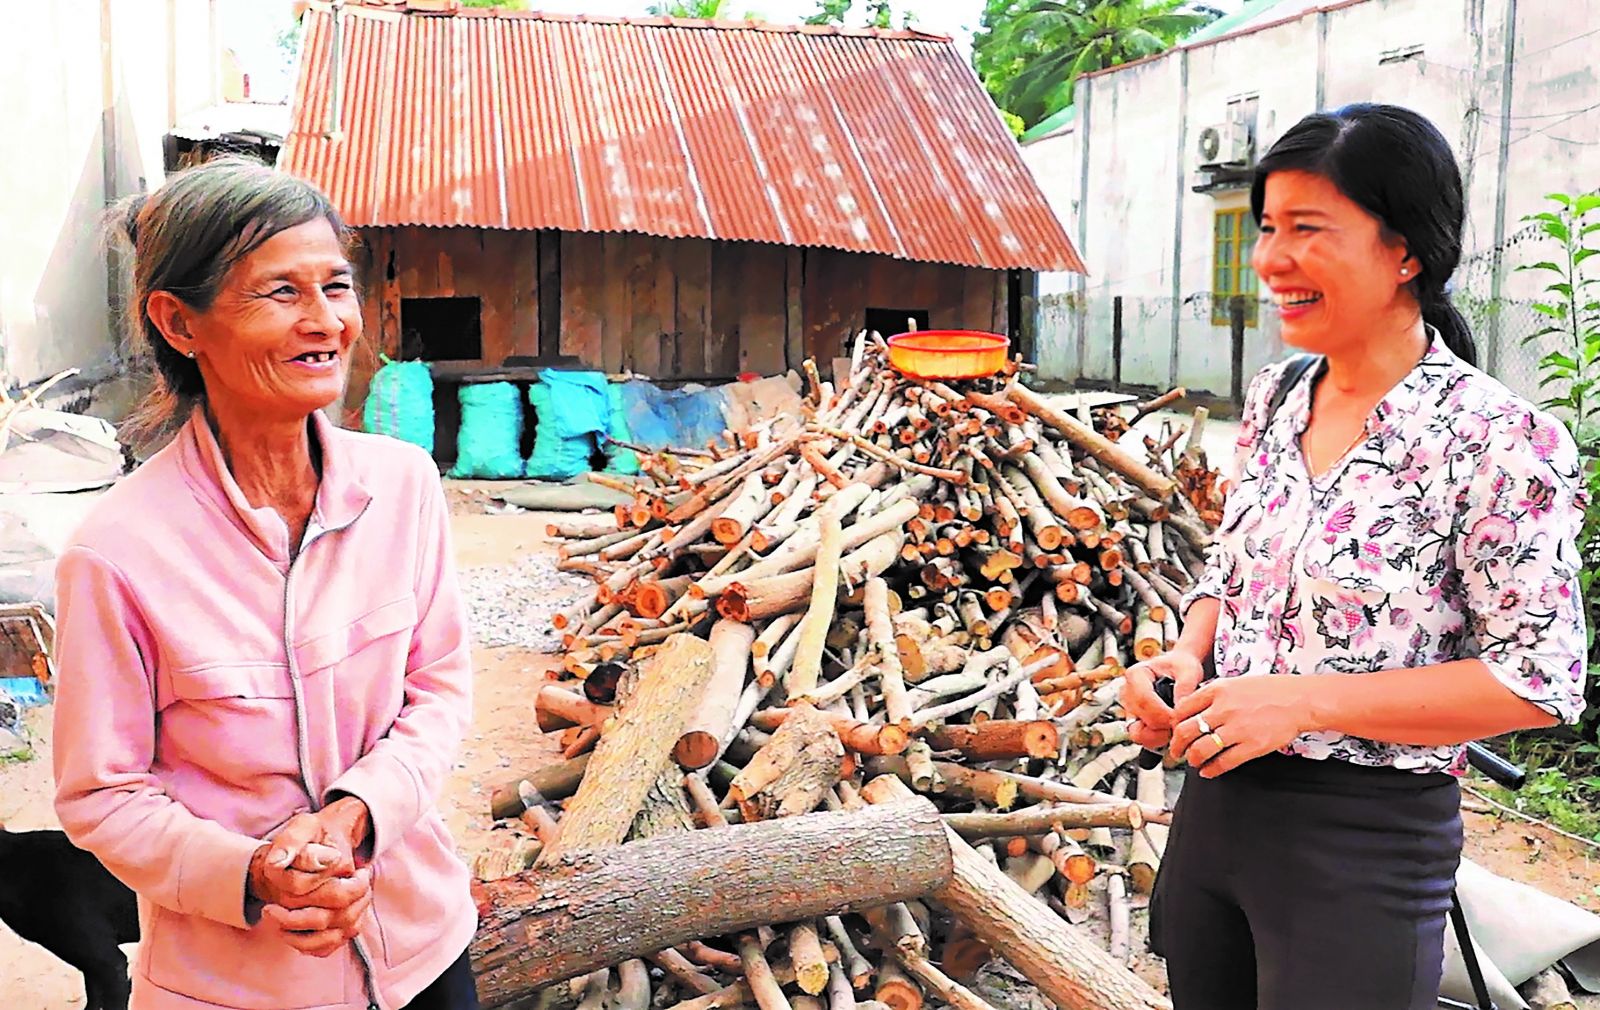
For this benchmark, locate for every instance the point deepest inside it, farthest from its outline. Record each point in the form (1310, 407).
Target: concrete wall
(94, 85)
(1142, 226)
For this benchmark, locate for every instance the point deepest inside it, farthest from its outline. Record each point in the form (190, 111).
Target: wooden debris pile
(918, 588)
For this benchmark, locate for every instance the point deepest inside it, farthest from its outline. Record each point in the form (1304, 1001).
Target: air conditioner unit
(1225, 145)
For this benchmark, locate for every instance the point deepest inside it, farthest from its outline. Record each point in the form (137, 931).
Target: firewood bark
(1096, 445)
(1144, 859)
(552, 781)
(556, 708)
(1040, 819)
(824, 598)
(701, 742)
(880, 631)
(998, 739)
(1068, 968)
(630, 757)
(604, 906)
(864, 738)
(788, 593)
(789, 775)
(958, 782)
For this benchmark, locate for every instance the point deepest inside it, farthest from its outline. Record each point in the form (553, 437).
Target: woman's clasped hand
(306, 877)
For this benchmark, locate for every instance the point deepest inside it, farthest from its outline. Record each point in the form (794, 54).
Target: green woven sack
(488, 445)
(400, 403)
(554, 457)
(621, 460)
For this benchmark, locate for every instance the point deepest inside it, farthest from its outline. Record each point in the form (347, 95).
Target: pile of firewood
(918, 588)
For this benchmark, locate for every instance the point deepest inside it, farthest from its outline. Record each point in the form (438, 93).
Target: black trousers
(1293, 884)
(456, 989)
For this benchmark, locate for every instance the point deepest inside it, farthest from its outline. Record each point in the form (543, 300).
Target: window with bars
(1232, 242)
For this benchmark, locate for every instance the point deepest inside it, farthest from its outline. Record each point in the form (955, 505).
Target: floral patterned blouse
(1447, 533)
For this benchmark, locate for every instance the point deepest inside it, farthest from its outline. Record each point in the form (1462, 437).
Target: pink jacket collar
(341, 496)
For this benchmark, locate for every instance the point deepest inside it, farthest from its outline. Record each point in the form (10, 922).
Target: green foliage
(704, 10)
(829, 12)
(510, 5)
(1563, 786)
(1572, 308)
(1014, 121)
(1029, 52)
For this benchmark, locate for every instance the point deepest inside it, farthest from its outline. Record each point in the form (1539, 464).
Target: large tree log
(602, 907)
(634, 751)
(713, 720)
(1067, 967)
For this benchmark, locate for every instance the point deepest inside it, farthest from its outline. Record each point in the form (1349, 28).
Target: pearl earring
(1404, 272)
(191, 354)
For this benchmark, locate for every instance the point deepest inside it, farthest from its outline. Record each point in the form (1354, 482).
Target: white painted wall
(62, 139)
(1138, 189)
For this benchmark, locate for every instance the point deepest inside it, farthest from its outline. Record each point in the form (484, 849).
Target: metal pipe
(335, 71)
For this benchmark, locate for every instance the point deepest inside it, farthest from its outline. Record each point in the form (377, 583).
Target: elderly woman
(1395, 574)
(264, 669)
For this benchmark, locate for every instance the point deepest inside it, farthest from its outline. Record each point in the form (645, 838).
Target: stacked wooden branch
(920, 583)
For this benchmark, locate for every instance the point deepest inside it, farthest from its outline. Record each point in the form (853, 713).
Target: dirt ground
(504, 739)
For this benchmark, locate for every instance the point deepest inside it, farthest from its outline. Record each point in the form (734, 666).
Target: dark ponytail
(1399, 168)
(1439, 313)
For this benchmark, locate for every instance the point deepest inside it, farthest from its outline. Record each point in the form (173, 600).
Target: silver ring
(1205, 727)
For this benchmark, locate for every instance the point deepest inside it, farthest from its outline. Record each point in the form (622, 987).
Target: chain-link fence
(1505, 325)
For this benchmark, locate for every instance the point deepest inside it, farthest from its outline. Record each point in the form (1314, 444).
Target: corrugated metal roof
(867, 141)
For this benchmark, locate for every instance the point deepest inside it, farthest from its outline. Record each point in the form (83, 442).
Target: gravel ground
(512, 604)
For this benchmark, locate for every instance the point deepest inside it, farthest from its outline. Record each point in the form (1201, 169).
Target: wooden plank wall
(697, 309)
(664, 308)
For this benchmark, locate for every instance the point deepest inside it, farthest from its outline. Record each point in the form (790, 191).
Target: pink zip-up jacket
(177, 725)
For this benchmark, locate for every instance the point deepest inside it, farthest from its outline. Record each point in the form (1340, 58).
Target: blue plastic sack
(582, 405)
(489, 445)
(400, 403)
(659, 418)
(554, 457)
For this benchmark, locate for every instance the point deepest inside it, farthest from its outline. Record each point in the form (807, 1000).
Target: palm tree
(1038, 52)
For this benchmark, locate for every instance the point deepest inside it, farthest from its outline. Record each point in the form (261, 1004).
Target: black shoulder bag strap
(1299, 365)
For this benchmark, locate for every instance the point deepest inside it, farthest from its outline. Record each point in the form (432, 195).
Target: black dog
(60, 897)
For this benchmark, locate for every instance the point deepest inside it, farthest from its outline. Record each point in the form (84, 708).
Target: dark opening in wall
(888, 322)
(441, 329)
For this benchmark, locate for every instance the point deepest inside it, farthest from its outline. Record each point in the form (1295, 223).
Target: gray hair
(184, 238)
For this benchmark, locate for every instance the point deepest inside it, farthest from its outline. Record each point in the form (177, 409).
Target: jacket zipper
(302, 737)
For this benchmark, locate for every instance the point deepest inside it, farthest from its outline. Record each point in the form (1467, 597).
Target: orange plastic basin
(948, 354)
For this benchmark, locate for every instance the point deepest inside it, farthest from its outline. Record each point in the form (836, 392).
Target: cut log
(701, 743)
(819, 614)
(880, 632)
(1144, 859)
(790, 774)
(601, 907)
(556, 708)
(1068, 968)
(764, 988)
(1092, 442)
(863, 738)
(805, 955)
(998, 739)
(552, 781)
(788, 593)
(1041, 819)
(629, 758)
(957, 782)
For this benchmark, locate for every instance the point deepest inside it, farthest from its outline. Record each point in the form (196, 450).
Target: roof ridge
(450, 8)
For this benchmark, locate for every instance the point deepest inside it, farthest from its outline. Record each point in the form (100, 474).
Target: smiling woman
(263, 663)
(1395, 573)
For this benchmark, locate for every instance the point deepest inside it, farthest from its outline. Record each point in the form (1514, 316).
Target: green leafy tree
(510, 5)
(830, 12)
(707, 10)
(1572, 311)
(1029, 52)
